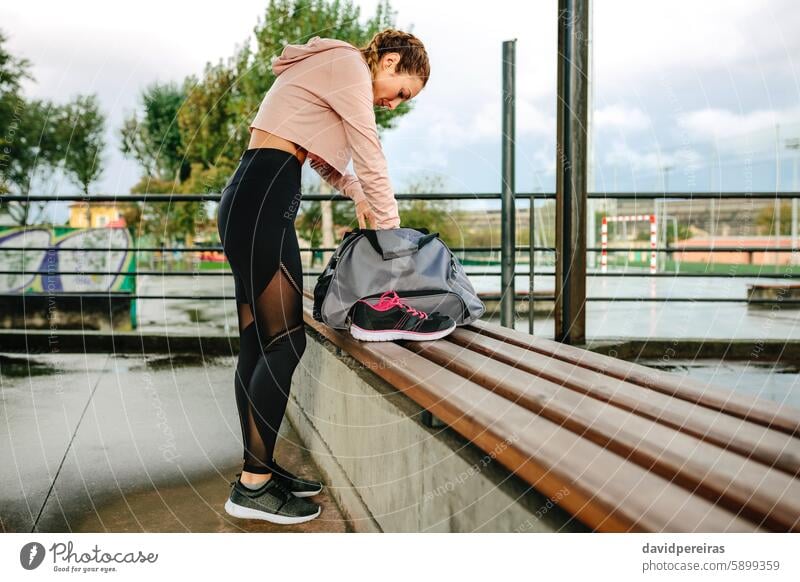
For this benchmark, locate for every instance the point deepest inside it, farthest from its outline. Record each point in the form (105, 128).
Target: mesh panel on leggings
(271, 346)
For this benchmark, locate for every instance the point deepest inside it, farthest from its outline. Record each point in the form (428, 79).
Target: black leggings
(256, 226)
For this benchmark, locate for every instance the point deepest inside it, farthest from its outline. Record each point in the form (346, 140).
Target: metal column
(508, 237)
(531, 260)
(571, 171)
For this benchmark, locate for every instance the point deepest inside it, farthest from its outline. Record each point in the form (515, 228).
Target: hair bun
(413, 56)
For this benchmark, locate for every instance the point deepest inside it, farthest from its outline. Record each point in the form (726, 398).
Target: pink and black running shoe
(391, 319)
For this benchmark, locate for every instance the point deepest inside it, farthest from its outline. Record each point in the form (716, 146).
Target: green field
(213, 266)
(717, 268)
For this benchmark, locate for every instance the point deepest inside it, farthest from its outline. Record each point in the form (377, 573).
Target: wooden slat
(604, 490)
(731, 480)
(781, 417)
(773, 448)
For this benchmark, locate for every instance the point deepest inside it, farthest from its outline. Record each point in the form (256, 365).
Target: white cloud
(634, 38)
(718, 124)
(487, 123)
(621, 154)
(437, 129)
(751, 135)
(621, 118)
(145, 38)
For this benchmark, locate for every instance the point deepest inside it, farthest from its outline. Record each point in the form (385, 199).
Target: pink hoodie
(322, 101)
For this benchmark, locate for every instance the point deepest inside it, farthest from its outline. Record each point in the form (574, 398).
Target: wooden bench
(618, 445)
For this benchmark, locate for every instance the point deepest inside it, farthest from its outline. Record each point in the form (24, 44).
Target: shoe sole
(306, 493)
(394, 334)
(249, 513)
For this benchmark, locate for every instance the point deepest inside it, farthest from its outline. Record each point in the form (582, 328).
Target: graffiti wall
(66, 249)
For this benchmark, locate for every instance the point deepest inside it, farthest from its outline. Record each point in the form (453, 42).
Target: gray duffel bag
(417, 265)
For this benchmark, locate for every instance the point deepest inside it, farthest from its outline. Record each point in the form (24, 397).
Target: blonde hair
(413, 57)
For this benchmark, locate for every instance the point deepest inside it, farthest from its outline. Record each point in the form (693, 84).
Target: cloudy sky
(698, 86)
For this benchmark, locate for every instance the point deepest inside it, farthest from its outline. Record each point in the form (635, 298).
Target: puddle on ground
(25, 367)
(181, 360)
(742, 367)
(196, 315)
(778, 382)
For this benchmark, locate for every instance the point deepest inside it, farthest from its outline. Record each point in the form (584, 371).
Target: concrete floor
(120, 443)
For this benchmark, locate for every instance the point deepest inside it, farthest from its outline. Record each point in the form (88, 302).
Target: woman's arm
(347, 184)
(350, 95)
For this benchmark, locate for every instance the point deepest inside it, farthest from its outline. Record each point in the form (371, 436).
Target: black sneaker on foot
(272, 502)
(391, 319)
(297, 485)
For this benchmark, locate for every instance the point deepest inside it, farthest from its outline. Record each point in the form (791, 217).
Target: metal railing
(531, 248)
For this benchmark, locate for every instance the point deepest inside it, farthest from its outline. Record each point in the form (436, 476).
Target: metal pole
(658, 219)
(794, 144)
(663, 221)
(794, 204)
(531, 261)
(677, 261)
(590, 168)
(715, 168)
(776, 213)
(571, 156)
(508, 234)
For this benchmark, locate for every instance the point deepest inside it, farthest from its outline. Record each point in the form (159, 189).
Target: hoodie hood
(294, 53)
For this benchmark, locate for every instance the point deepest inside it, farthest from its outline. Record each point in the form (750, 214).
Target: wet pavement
(129, 443)
(770, 380)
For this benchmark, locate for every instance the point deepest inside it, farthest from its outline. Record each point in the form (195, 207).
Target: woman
(320, 107)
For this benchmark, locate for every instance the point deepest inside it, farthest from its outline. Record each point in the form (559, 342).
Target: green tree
(28, 148)
(683, 233)
(435, 215)
(205, 122)
(12, 71)
(132, 213)
(80, 126)
(155, 140)
(165, 223)
(32, 154)
(309, 220)
(765, 220)
(211, 180)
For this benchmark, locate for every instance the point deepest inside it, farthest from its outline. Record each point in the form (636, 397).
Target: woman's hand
(364, 213)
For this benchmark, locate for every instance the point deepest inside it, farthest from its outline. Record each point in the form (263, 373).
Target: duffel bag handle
(399, 247)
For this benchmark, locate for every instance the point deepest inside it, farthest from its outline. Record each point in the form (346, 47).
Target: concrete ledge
(390, 472)
(90, 342)
(111, 311)
(768, 295)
